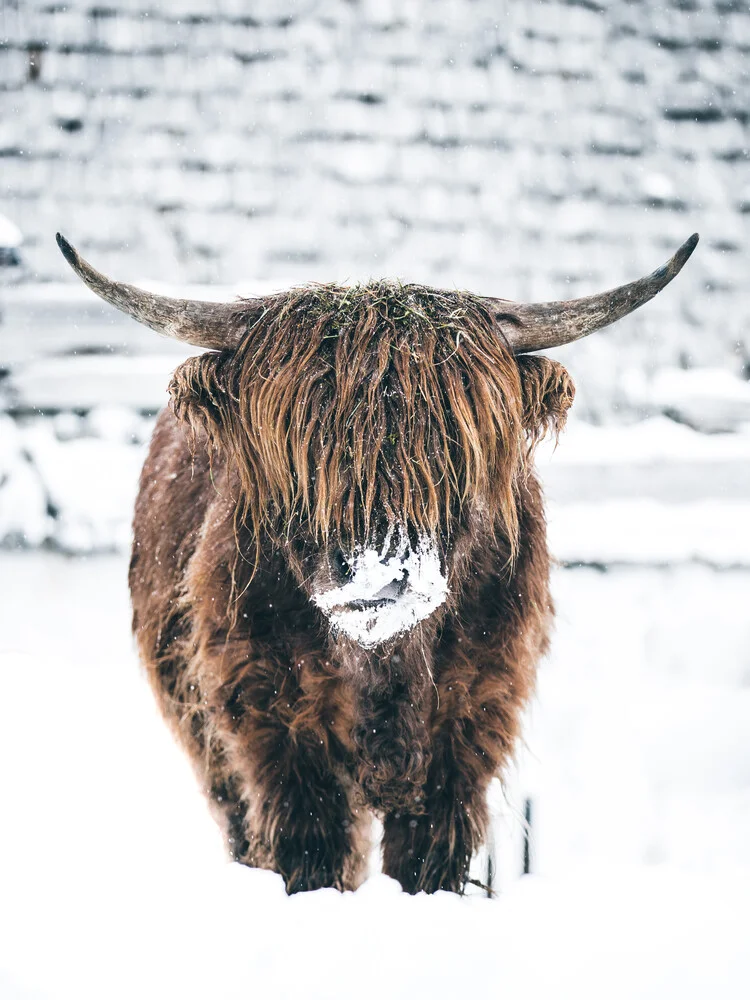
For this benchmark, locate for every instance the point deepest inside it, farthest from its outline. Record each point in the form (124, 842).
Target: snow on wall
(531, 150)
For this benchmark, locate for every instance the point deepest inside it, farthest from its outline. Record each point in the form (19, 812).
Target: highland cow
(339, 576)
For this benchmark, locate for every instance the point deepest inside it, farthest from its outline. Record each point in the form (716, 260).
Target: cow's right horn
(544, 325)
(217, 325)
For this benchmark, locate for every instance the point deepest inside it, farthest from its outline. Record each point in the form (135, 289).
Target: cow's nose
(388, 593)
(394, 589)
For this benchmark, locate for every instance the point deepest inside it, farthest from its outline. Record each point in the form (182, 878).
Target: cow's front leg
(482, 690)
(301, 821)
(277, 725)
(432, 850)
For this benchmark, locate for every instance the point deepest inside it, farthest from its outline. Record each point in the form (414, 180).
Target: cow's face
(379, 434)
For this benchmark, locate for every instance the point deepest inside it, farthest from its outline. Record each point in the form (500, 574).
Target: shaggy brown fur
(343, 411)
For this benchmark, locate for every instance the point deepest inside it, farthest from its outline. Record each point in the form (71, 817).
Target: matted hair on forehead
(343, 407)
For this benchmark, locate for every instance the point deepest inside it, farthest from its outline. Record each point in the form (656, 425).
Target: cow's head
(381, 433)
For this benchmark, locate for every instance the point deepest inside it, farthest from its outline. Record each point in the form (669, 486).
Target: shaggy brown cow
(340, 577)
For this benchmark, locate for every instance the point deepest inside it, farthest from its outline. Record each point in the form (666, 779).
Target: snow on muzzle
(388, 590)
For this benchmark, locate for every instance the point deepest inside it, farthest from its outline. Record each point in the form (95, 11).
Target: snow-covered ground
(637, 760)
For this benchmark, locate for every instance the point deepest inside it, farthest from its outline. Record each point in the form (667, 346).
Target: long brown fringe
(344, 408)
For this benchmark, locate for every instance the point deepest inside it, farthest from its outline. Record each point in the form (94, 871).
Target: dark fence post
(527, 830)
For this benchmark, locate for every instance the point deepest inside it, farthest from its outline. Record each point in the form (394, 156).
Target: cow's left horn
(216, 325)
(543, 325)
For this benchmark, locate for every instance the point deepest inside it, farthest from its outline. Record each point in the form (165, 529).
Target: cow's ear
(547, 391)
(200, 393)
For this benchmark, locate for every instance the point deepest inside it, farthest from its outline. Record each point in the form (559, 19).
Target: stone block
(415, 83)
(25, 177)
(164, 185)
(615, 135)
(401, 46)
(444, 206)
(737, 28)
(254, 192)
(15, 71)
(272, 12)
(419, 162)
(341, 120)
(209, 235)
(59, 26)
(257, 43)
(381, 13)
(353, 162)
(396, 121)
(191, 9)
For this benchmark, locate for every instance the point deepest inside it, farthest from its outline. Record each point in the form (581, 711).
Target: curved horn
(216, 325)
(543, 325)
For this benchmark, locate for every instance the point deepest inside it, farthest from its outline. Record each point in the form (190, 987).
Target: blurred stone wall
(530, 150)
